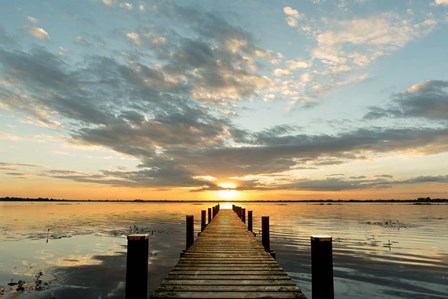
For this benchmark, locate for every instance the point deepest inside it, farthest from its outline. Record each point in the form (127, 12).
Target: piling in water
(249, 220)
(203, 223)
(137, 266)
(190, 230)
(209, 215)
(265, 233)
(322, 267)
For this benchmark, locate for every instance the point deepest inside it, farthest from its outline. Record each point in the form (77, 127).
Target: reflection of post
(209, 215)
(322, 267)
(265, 233)
(137, 266)
(202, 220)
(190, 231)
(249, 220)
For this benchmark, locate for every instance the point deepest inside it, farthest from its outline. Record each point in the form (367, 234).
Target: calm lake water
(380, 250)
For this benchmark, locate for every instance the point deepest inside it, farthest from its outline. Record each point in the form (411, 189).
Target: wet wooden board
(227, 261)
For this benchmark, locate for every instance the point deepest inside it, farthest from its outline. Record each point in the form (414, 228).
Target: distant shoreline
(422, 200)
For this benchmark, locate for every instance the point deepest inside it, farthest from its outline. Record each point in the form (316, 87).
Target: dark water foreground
(380, 250)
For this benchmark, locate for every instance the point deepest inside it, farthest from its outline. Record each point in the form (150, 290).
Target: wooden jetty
(227, 261)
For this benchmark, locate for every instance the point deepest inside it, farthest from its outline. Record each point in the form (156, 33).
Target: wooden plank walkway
(227, 261)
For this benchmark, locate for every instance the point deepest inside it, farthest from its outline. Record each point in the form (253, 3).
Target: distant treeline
(418, 200)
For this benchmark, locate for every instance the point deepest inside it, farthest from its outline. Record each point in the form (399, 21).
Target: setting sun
(228, 191)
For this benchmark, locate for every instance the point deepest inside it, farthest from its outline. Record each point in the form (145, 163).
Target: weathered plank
(226, 261)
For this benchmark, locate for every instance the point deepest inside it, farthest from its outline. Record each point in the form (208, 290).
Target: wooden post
(137, 266)
(243, 215)
(203, 220)
(209, 215)
(265, 233)
(322, 267)
(190, 231)
(249, 220)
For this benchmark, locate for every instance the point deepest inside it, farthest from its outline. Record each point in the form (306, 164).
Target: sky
(287, 100)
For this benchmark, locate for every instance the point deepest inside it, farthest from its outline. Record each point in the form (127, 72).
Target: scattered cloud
(345, 48)
(363, 40)
(38, 32)
(292, 16)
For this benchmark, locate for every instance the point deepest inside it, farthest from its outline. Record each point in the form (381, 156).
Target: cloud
(344, 49)
(338, 184)
(8, 136)
(292, 16)
(441, 2)
(107, 2)
(16, 168)
(364, 40)
(281, 72)
(297, 64)
(134, 37)
(427, 100)
(38, 33)
(32, 19)
(126, 5)
(172, 116)
(359, 183)
(426, 179)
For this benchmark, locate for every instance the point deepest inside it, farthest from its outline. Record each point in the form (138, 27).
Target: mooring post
(209, 215)
(265, 233)
(137, 266)
(190, 231)
(322, 267)
(203, 219)
(243, 215)
(249, 220)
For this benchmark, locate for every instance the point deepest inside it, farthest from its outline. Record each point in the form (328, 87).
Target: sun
(228, 191)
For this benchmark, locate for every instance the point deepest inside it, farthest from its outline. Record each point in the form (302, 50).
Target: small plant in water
(20, 287)
(38, 281)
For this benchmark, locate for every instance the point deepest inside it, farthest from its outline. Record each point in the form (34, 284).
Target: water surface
(380, 250)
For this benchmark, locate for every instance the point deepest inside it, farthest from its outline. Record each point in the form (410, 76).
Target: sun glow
(228, 191)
